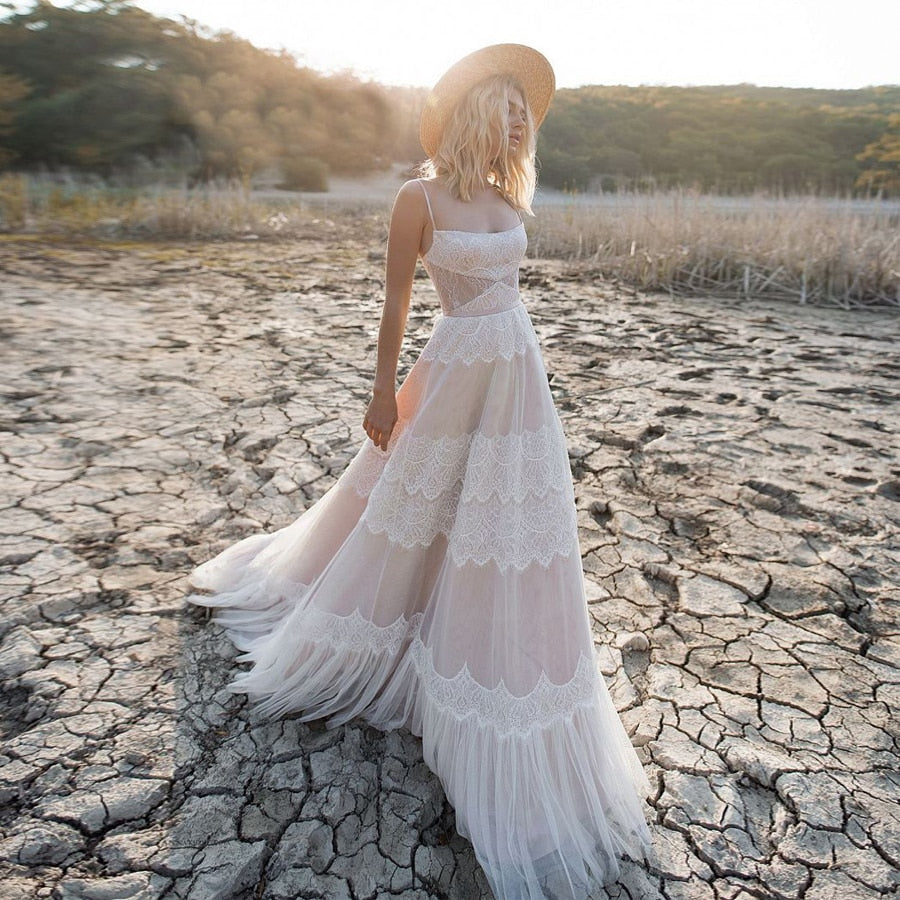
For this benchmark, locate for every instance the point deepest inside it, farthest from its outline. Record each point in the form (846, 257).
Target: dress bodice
(476, 273)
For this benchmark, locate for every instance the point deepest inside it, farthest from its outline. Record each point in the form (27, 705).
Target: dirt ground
(737, 471)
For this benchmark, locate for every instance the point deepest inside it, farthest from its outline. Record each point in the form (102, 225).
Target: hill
(108, 88)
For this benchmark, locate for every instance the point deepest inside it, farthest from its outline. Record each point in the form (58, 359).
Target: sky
(788, 43)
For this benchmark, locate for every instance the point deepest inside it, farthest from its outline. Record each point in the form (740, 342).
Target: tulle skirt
(438, 587)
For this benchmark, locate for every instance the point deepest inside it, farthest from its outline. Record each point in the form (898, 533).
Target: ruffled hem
(549, 809)
(545, 785)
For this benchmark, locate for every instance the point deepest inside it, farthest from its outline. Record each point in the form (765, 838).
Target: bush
(304, 173)
(13, 201)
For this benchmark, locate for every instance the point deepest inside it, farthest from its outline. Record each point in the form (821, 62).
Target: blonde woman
(438, 585)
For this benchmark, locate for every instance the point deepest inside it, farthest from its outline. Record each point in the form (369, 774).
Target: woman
(438, 585)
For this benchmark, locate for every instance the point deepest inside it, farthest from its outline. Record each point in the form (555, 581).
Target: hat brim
(530, 69)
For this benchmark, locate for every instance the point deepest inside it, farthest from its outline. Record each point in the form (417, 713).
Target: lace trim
(546, 704)
(463, 253)
(508, 466)
(512, 535)
(461, 696)
(486, 338)
(356, 631)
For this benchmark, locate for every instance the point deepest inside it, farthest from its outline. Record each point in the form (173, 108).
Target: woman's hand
(381, 416)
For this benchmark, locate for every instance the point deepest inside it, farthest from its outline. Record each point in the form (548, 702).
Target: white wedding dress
(438, 587)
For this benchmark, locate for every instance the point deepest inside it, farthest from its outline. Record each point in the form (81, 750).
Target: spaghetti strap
(427, 202)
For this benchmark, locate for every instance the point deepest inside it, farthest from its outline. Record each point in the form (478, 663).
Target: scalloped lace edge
(425, 464)
(510, 466)
(484, 338)
(547, 703)
(510, 535)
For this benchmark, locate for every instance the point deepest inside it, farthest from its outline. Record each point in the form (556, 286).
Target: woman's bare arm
(408, 220)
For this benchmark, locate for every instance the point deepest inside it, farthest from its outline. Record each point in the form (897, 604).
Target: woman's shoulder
(412, 191)
(422, 192)
(418, 185)
(412, 202)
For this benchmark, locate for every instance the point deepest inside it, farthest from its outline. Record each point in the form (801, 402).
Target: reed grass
(809, 249)
(38, 205)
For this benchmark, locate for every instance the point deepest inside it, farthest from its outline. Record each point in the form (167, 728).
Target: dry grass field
(814, 250)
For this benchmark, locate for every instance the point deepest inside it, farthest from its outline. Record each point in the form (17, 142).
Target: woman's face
(516, 119)
(514, 125)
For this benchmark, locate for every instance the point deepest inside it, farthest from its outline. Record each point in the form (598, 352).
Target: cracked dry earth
(738, 484)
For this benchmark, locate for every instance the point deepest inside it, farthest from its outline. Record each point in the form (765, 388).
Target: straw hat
(530, 69)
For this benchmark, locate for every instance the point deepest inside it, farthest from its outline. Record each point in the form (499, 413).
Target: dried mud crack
(738, 482)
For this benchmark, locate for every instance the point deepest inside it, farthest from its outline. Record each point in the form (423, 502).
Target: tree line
(735, 139)
(105, 87)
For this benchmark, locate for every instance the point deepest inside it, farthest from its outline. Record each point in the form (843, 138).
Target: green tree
(97, 77)
(12, 91)
(882, 162)
(110, 82)
(723, 138)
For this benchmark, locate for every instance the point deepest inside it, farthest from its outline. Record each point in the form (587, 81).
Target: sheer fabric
(438, 587)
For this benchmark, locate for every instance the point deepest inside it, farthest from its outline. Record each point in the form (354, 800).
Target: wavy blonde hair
(476, 126)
